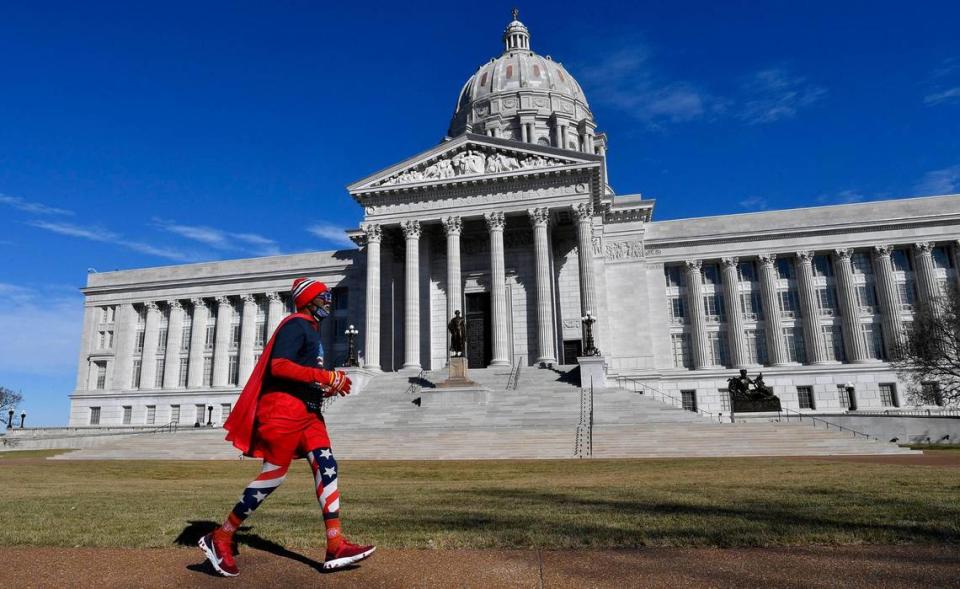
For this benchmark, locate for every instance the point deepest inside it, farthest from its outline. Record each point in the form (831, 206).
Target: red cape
(240, 423)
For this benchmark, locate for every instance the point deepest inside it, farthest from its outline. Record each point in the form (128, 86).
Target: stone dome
(524, 96)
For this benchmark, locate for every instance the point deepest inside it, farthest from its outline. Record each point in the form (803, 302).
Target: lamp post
(351, 334)
(23, 417)
(10, 419)
(209, 415)
(588, 320)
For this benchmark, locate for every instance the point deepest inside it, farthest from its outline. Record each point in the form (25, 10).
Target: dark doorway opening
(572, 349)
(477, 314)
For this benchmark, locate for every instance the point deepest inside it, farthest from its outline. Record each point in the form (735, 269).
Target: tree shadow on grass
(195, 530)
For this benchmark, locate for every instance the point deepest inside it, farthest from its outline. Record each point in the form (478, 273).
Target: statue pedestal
(593, 368)
(458, 389)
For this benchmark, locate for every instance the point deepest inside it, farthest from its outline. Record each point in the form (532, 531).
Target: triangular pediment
(470, 157)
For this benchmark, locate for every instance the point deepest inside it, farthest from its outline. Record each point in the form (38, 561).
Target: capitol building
(512, 221)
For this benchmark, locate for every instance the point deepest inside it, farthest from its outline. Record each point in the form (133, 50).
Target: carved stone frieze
(597, 245)
(470, 162)
(623, 250)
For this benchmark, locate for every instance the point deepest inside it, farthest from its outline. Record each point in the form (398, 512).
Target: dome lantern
(516, 37)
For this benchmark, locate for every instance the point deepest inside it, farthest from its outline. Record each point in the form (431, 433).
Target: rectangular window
(785, 268)
(225, 409)
(109, 339)
(689, 400)
(793, 343)
(867, 298)
(827, 301)
(677, 310)
(184, 372)
(137, 369)
(861, 263)
(822, 267)
(674, 275)
(151, 415)
(158, 381)
(805, 397)
(341, 298)
(141, 333)
(746, 272)
(833, 342)
(711, 274)
(162, 341)
(750, 305)
(94, 416)
(941, 259)
(751, 339)
(185, 337)
(211, 336)
(787, 300)
(201, 413)
(713, 347)
(101, 375)
(873, 338)
(233, 370)
(681, 350)
(906, 294)
(901, 261)
(713, 307)
(174, 413)
(932, 392)
(127, 414)
(234, 336)
(260, 335)
(208, 371)
(888, 395)
(848, 397)
(724, 399)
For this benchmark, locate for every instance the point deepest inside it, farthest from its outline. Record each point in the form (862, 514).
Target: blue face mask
(318, 312)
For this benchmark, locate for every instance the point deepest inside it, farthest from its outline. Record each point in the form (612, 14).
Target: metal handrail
(827, 424)
(583, 446)
(514, 379)
(908, 412)
(415, 386)
(678, 403)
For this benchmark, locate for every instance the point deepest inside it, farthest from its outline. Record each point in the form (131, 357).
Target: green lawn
(547, 504)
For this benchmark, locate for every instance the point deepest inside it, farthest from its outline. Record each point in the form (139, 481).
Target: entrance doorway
(572, 349)
(477, 315)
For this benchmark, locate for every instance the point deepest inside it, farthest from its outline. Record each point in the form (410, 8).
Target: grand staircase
(387, 418)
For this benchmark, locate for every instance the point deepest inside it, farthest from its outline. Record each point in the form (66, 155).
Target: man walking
(277, 418)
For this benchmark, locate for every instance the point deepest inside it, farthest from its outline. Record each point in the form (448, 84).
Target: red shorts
(286, 430)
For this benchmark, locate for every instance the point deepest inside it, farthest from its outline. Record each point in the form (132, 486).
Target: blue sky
(137, 135)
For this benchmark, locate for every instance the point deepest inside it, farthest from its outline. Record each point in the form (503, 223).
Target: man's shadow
(195, 530)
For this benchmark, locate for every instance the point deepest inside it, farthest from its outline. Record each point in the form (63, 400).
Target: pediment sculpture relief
(469, 162)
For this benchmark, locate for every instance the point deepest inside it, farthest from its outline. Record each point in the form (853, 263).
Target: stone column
(198, 341)
(171, 370)
(411, 318)
(371, 336)
(126, 339)
(248, 328)
(275, 312)
(540, 217)
(776, 352)
(850, 308)
(889, 300)
(583, 214)
(926, 274)
(809, 310)
(221, 346)
(453, 227)
(498, 288)
(86, 343)
(151, 339)
(731, 297)
(698, 319)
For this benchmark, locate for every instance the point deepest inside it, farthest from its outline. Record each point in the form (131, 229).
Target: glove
(338, 383)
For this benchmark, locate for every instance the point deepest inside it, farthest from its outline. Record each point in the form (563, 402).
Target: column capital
(494, 220)
(221, 300)
(452, 225)
(198, 303)
(248, 299)
(582, 212)
(693, 265)
(151, 306)
(767, 259)
(175, 305)
(729, 261)
(883, 249)
(373, 231)
(411, 229)
(843, 252)
(539, 216)
(806, 256)
(273, 297)
(924, 246)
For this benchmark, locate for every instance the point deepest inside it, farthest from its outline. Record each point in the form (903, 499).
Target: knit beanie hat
(305, 290)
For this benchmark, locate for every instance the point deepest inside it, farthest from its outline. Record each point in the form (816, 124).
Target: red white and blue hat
(305, 290)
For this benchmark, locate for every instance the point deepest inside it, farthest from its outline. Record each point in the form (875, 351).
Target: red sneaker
(219, 551)
(346, 554)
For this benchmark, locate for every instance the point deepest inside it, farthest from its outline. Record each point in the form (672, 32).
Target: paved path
(806, 567)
